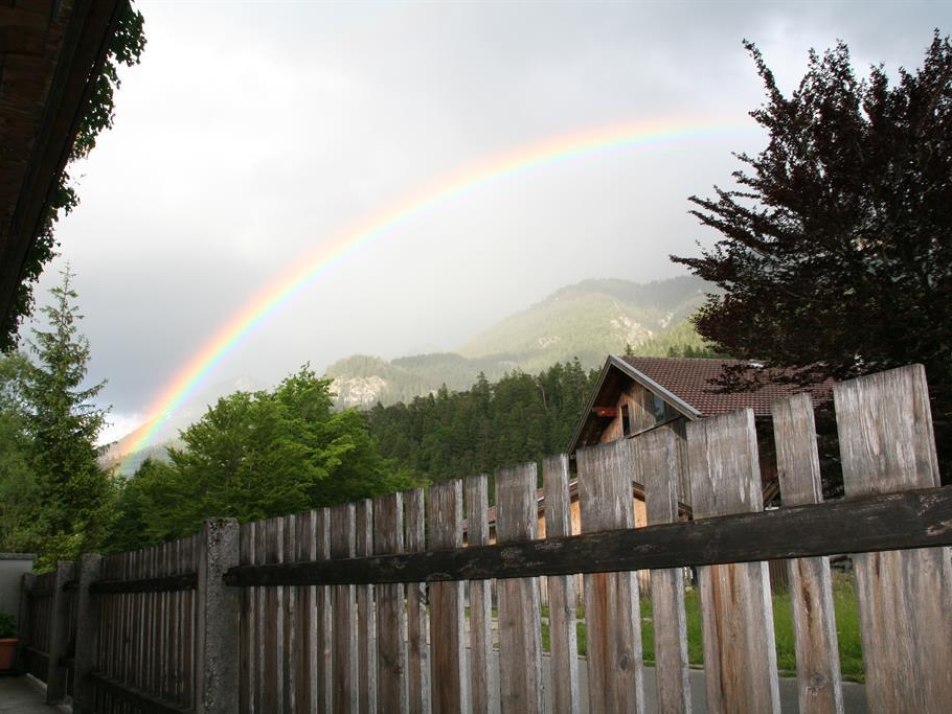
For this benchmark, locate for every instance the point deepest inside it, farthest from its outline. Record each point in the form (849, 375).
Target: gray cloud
(254, 133)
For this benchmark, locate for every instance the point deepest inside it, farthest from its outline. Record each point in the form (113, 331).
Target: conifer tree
(63, 422)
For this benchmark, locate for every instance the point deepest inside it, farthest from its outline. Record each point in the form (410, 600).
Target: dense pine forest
(454, 434)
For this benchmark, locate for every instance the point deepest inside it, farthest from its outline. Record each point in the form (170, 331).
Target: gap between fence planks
(563, 633)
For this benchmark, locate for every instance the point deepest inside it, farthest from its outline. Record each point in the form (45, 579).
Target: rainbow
(331, 253)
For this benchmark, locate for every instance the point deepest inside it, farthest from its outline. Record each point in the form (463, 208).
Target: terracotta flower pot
(8, 652)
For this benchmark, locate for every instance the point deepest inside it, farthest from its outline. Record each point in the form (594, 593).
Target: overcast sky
(252, 132)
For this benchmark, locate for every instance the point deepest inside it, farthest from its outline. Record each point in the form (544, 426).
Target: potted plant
(8, 641)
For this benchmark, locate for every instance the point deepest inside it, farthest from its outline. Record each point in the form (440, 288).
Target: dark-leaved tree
(835, 254)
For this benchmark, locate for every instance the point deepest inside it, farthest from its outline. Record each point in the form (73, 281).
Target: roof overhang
(616, 367)
(51, 53)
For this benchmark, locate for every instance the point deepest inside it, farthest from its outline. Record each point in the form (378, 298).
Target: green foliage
(54, 498)
(125, 48)
(256, 455)
(834, 255)
(19, 494)
(8, 626)
(454, 434)
(63, 425)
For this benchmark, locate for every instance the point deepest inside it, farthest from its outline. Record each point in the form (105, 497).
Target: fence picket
(886, 445)
(325, 624)
(563, 632)
(615, 672)
(449, 677)
(740, 659)
(418, 687)
(307, 551)
(520, 636)
(247, 624)
(391, 613)
(656, 456)
(292, 631)
(366, 629)
(343, 545)
(483, 666)
(819, 684)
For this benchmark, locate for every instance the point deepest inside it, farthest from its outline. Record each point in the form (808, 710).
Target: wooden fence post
(59, 635)
(87, 633)
(218, 612)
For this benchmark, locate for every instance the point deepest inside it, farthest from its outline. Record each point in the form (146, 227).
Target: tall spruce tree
(63, 422)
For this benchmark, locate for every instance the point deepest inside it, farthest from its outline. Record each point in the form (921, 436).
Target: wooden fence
(377, 606)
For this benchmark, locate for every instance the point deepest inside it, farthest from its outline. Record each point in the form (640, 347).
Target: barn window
(625, 420)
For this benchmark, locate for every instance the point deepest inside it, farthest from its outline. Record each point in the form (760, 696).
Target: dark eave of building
(51, 52)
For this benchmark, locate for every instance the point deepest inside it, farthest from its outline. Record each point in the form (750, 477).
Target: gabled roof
(694, 381)
(689, 386)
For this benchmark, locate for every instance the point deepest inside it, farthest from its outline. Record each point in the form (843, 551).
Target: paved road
(19, 696)
(854, 695)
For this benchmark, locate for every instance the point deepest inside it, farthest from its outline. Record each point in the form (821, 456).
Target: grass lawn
(847, 625)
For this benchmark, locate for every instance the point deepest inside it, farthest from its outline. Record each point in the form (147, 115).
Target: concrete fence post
(59, 635)
(24, 625)
(87, 633)
(218, 620)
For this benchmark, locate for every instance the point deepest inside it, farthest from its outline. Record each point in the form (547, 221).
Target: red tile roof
(694, 381)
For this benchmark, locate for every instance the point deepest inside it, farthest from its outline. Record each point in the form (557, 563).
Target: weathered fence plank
(418, 671)
(887, 444)
(307, 698)
(366, 629)
(520, 643)
(615, 672)
(292, 631)
(391, 613)
(346, 680)
(740, 659)
(563, 632)
(325, 624)
(484, 680)
(448, 673)
(656, 456)
(819, 683)
(249, 598)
